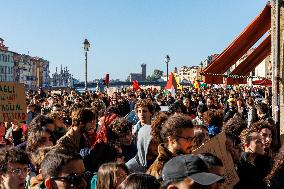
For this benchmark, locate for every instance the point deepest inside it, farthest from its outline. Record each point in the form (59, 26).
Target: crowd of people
(88, 140)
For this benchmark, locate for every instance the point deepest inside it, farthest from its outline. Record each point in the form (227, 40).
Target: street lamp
(201, 67)
(167, 60)
(86, 49)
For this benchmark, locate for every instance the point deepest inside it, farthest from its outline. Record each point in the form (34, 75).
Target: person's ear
(171, 187)
(48, 183)
(171, 140)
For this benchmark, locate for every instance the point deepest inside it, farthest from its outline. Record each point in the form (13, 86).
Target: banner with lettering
(12, 102)
(217, 147)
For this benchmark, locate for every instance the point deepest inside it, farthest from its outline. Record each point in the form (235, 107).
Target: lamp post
(86, 49)
(167, 60)
(201, 67)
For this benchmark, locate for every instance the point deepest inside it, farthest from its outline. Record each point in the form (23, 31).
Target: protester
(213, 120)
(139, 181)
(144, 110)
(146, 151)
(110, 175)
(253, 166)
(188, 171)
(231, 110)
(92, 124)
(14, 168)
(178, 135)
(40, 133)
(266, 132)
(63, 168)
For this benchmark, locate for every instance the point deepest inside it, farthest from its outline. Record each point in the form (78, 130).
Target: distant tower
(175, 70)
(143, 66)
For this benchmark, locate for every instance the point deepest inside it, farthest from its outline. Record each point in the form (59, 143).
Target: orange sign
(12, 102)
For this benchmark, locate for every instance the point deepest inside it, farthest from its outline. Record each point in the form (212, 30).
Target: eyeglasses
(19, 171)
(75, 179)
(189, 139)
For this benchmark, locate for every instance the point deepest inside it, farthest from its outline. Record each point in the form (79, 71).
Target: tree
(157, 74)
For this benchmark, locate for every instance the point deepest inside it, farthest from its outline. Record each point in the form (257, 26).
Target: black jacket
(251, 176)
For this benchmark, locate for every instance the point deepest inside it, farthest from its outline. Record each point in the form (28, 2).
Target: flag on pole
(196, 84)
(179, 86)
(171, 85)
(106, 80)
(136, 85)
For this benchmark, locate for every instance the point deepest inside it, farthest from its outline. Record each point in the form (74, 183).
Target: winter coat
(252, 175)
(164, 155)
(139, 162)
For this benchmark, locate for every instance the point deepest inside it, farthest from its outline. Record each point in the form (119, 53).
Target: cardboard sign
(12, 102)
(217, 147)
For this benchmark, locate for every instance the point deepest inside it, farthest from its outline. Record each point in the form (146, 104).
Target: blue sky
(123, 33)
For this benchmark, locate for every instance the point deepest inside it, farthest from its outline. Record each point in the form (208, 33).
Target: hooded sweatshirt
(139, 162)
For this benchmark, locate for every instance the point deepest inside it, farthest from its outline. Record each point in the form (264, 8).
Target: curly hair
(245, 135)
(262, 124)
(214, 117)
(144, 103)
(37, 156)
(174, 125)
(12, 155)
(35, 131)
(156, 125)
(235, 125)
(118, 128)
(82, 116)
(277, 168)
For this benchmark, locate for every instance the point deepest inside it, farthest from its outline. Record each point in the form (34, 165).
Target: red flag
(106, 80)
(172, 83)
(136, 85)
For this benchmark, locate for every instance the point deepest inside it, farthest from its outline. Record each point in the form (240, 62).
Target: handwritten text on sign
(12, 102)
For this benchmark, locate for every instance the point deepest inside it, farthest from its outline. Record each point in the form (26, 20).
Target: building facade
(138, 76)
(32, 71)
(15, 67)
(6, 63)
(194, 73)
(208, 60)
(62, 78)
(24, 71)
(186, 74)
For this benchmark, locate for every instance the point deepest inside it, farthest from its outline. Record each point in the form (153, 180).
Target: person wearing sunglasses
(14, 168)
(63, 168)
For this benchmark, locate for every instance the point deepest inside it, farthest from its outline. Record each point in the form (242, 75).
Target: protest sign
(217, 147)
(12, 102)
